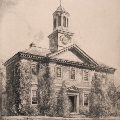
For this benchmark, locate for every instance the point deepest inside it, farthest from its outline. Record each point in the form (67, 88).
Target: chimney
(32, 45)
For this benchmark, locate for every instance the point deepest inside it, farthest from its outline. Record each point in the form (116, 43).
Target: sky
(96, 24)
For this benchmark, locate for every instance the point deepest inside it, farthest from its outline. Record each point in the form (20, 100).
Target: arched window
(64, 21)
(54, 23)
(67, 22)
(59, 20)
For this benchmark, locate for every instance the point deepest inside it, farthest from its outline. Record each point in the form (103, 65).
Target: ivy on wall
(50, 102)
(10, 105)
(25, 90)
(46, 92)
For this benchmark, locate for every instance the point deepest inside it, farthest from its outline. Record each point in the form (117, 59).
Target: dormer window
(59, 72)
(64, 21)
(72, 74)
(86, 75)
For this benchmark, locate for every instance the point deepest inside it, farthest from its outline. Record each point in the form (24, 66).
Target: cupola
(60, 19)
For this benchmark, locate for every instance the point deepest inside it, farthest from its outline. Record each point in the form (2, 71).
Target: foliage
(112, 93)
(99, 102)
(63, 102)
(46, 92)
(3, 86)
(2, 76)
(21, 83)
(29, 110)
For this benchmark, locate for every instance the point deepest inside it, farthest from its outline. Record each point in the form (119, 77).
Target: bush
(99, 101)
(84, 111)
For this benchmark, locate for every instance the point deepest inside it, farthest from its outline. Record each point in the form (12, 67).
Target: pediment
(73, 89)
(70, 56)
(73, 53)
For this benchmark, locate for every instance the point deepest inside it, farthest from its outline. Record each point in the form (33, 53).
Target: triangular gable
(70, 56)
(73, 53)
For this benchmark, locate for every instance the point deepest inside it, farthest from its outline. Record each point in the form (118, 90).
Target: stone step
(75, 115)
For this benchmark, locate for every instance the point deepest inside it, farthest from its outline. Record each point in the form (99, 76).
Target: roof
(118, 88)
(103, 65)
(42, 53)
(61, 9)
(80, 51)
(37, 51)
(77, 50)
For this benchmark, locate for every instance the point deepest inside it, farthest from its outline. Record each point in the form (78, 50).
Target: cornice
(60, 61)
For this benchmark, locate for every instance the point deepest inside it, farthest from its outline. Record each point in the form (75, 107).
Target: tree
(46, 92)
(99, 102)
(3, 87)
(63, 102)
(112, 94)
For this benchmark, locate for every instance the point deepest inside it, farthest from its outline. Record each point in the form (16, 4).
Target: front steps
(76, 115)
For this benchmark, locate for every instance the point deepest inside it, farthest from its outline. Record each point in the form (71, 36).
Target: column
(77, 107)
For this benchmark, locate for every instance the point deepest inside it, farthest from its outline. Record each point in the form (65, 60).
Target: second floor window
(72, 74)
(34, 69)
(86, 75)
(59, 72)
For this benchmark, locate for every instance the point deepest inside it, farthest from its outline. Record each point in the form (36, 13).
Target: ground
(52, 118)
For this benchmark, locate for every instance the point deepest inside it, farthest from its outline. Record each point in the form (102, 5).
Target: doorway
(72, 101)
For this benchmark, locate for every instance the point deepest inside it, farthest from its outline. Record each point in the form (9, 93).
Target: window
(67, 22)
(64, 21)
(54, 23)
(86, 74)
(85, 99)
(34, 96)
(59, 72)
(72, 74)
(59, 20)
(34, 69)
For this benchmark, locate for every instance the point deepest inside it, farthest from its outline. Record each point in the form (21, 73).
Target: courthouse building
(66, 62)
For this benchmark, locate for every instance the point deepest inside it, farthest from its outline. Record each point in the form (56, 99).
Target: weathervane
(60, 2)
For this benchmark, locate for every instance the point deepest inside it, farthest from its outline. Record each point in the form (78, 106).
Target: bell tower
(60, 37)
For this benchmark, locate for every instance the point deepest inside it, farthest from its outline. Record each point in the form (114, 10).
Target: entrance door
(72, 100)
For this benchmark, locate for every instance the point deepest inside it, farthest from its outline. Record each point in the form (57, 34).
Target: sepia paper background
(96, 24)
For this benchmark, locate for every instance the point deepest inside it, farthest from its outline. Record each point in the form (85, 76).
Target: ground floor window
(85, 99)
(34, 97)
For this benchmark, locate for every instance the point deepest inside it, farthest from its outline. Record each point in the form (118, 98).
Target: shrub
(99, 102)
